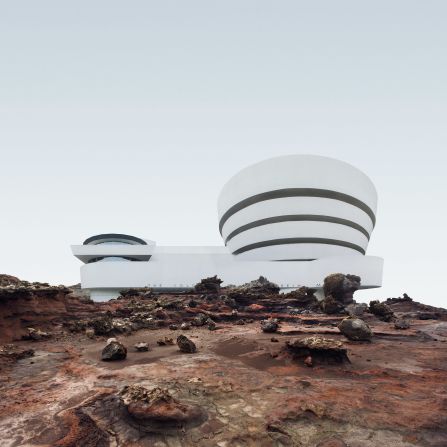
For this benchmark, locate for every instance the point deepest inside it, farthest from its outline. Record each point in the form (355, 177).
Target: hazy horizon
(131, 117)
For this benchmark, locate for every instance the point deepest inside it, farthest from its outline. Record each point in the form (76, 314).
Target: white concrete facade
(293, 219)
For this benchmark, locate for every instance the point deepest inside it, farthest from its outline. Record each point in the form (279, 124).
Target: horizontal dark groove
(296, 192)
(297, 218)
(100, 258)
(299, 240)
(125, 237)
(294, 260)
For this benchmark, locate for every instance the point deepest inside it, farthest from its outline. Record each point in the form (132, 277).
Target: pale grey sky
(130, 116)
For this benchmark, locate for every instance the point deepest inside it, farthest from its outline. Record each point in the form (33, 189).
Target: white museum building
(294, 219)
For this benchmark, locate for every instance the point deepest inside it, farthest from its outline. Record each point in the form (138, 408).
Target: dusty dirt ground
(393, 393)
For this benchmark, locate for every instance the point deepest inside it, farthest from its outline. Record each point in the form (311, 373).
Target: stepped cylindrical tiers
(297, 207)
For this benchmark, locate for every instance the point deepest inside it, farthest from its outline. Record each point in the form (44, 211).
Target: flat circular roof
(114, 237)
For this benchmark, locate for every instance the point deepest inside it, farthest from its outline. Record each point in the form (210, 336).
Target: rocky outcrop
(12, 353)
(247, 293)
(209, 285)
(156, 410)
(304, 297)
(24, 304)
(186, 345)
(341, 287)
(317, 350)
(355, 329)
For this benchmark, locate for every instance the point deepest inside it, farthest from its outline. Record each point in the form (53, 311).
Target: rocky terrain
(240, 366)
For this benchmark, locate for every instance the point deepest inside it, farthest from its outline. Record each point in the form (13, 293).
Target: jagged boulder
(355, 329)
(114, 350)
(186, 345)
(156, 410)
(341, 287)
(381, 310)
(209, 285)
(270, 325)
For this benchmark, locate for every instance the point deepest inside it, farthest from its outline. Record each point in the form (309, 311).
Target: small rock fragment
(165, 341)
(90, 333)
(173, 327)
(185, 326)
(141, 346)
(274, 340)
(308, 361)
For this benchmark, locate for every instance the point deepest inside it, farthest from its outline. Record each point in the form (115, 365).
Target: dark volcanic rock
(341, 287)
(248, 293)
(270, 325)
(186, 345)
(102, 325)
(381, 310)
(355, 329)
(319, 349)
(329, 305)
(200, 320)
(338, 292)
(114, 351)
(209, 285)
(157, 411)
(304, 297)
